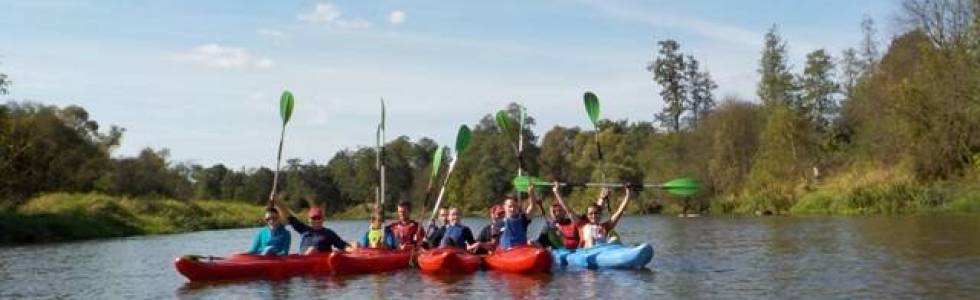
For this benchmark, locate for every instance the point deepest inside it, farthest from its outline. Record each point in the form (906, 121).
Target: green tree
(817, 100)
(776, 85)
(668, 72)
(701, 88)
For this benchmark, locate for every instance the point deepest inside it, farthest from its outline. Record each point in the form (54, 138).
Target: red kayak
(520, 259)
(365, 260)
(241, 266)
(448, 261)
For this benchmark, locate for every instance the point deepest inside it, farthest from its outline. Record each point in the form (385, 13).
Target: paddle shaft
(275, 177)
(442, 191)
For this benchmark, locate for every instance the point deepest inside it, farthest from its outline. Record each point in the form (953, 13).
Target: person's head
(594, 213)
(496, 212)
(404, 211)
(271, 217)
(510, 206)
(443, 215)
(375, 221)
(316, 217)
(453, 216)
(558, 212)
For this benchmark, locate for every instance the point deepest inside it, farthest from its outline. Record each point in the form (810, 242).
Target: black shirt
(323, 239)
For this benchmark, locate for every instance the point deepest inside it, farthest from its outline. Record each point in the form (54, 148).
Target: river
(884, 257)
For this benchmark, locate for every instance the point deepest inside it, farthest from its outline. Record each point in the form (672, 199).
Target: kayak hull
(607, 256)
(251, 266)
(366, 261)
(520, 259)
(448, 261)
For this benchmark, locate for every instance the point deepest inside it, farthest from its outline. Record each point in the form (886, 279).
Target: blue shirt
(514, 232)
(456, 236)
(271, 241)
(323, 239)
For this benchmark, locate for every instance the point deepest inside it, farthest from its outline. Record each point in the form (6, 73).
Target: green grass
(63, 217)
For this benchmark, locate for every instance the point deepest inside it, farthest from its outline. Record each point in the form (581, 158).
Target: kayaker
(596, 232)
(564, 224)
(457, 235)
(436, 229)
(378, 236)
(314, 237)
(408, 232)
(514, 231)
(489, 234)
(272, 239)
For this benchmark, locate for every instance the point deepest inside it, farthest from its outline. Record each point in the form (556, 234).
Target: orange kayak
(364, 260)
(448, 261)
(241, 266)
(520, 259)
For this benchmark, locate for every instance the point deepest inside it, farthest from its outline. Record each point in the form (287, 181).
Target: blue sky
(203, 78)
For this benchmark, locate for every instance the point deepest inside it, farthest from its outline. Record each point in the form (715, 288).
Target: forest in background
(878, 128)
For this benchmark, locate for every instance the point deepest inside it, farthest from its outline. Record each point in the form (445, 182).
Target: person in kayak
(596, 232)
(436, 229)
(457, 235)
(315, 237)
(514, 231)
(562, 231)
(489, 234)
(409, 233)
(272, 239)
(378, 236)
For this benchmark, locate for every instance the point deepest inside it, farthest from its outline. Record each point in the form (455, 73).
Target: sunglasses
(270, 219)
(316, 218)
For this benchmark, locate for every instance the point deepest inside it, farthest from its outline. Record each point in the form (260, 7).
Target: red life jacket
(569, 233)
(406, 233)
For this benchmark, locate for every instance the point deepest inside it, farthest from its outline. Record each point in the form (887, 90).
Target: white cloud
(271, 33)
(328, 14)
(396, 17)
(214, 55)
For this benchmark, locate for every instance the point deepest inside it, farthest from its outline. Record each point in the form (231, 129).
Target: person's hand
(628, 187)
(530, 188)
(473, 247)
(555, 187)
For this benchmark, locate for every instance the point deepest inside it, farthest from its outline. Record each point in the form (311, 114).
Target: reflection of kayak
(365, 260)
(520, 259)
(448, 261)
(241, 266)
(606, 256)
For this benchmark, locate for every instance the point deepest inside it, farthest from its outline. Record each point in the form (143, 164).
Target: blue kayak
(606, 256)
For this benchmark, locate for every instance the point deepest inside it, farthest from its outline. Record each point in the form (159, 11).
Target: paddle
(436, 166)
(379, 163)
(285, 111)
(683, 186)
(503, 122)
(592, 108)
(462, 141)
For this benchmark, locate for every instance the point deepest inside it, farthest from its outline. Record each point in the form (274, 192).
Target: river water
(935, 257)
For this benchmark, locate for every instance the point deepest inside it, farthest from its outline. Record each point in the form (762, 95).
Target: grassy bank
(64, 217)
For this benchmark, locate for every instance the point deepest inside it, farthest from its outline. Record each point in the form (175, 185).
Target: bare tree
(945, 22)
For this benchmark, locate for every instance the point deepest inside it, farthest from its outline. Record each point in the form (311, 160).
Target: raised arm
(532, 199)
(622, 207)
(554, 189)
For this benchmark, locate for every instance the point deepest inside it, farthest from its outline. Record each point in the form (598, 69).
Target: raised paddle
(285, 111)
(592, 108)
(462, 141)
(683, 186)
(436, 167)
(379, 163)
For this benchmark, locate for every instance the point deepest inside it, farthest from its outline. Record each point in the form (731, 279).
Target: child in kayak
(315, 237)
(272, 239)
(457, 235)
(489, 234)
(409, 233)
(436, 229)
(596, 232)
(378, 237)
(562, 231)
(514, 231)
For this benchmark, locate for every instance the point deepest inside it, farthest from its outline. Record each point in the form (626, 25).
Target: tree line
(913, 108)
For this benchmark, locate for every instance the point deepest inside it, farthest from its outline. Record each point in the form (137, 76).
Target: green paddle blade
(522, 182)
(286, 106)
(462, 139)
(436, 163)
(683, 186)
(592, 107)
(503, 121)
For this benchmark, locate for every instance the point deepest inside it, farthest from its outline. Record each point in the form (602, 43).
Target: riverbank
(66, 217)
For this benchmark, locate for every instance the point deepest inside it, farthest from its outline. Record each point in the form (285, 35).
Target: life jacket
(569, 233)
(405, 232)
(514, 232)
(375, 238)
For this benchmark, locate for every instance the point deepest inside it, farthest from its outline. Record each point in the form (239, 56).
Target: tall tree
(850, 72)
(947, 23)
(869, 45)
(776, 85)
(668, 72)
(701, 88)
(817, 101)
